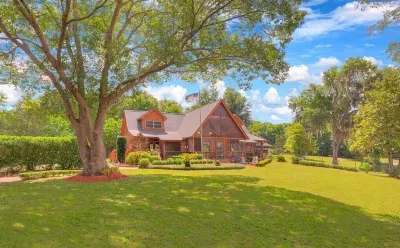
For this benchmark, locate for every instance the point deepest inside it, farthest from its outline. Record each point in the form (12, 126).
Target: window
(206, 146)
(234, 146)
(153, 124)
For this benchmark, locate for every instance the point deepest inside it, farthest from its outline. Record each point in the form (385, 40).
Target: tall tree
(336, 102)
(169, 106)
(391, 18)
(112, 46)
(238, 104)
(312, 108)
(377, 123)
(298, 142)
(270, 132)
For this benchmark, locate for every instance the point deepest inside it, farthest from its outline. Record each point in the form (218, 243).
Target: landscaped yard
(280, 205)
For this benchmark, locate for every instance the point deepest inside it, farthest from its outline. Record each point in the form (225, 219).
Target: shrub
(202, 161)
(295, 160)
(121, 148)
(264, 162)
(112, 170)
(26, 153)
(132, 158)
(322, 164)
(249, 159)
(280, 158)
(154, 157)
(187, 157)
(365, 166)
(144, 155)
(197, 156)
(199, 167)
(144, 163)
(178, 161)
(175, 156)
(44, 174)
(217, 163)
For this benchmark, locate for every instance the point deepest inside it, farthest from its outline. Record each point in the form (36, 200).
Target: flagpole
(201, 129)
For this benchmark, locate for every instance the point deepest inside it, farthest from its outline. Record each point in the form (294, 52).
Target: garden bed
(96, 179)
(198, 167)
(33, 175)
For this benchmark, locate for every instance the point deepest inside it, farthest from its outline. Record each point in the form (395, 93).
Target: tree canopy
(377, 123)
(112, 46)
(238, 104)
(298, 142)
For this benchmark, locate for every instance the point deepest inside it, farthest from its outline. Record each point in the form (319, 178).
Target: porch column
(262, 150)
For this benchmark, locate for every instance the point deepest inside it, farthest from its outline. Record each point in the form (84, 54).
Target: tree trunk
(335, 152)
(335, 145)
(93, 155)
(390, 163)
(92, 150)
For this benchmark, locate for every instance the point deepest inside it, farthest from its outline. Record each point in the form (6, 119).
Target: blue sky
(332, 32)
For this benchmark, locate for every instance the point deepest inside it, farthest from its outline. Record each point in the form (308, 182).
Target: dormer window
(153, 124)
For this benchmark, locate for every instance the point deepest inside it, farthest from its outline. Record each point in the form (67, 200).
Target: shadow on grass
(171, 211)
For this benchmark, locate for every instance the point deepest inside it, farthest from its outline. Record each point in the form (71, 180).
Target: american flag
(192, 97)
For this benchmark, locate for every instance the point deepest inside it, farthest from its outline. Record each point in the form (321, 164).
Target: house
(224, 135)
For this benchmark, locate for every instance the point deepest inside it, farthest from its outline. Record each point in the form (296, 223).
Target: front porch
(223, 149)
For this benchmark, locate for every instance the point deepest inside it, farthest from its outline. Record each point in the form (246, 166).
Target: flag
(192, 97)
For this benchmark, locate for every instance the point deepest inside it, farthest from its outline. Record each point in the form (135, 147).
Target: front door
(220, 150)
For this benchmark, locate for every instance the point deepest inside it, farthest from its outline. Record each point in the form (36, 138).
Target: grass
(280, 205)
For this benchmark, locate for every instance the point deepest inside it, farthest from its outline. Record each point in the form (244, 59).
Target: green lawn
(280, 205)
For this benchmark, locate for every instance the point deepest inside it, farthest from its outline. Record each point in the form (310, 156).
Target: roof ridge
(203, 106)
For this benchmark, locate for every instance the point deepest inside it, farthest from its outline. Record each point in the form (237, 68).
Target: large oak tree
(113, 46)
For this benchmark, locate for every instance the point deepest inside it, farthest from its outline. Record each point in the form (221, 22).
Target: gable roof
(154, 110)
(180, 126)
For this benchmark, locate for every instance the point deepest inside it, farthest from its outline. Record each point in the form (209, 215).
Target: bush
(121, 148)
(202, 161)
(154, 157)
(295, 160)
(280, 158)
(45, 174)
(197, 156)
(264, 162)
(187, 157)
(322, 164)
(249, 159)
(178, 161)
(144, 163)
(132, 158)
(198, 167)
(26, 153)
(217, 163)
(365, 166)
(112, 170)
(175, 156)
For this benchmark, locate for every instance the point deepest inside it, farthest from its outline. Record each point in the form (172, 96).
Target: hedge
(169, 161)
(198, 167)
(203, 161)
(264, 162)
(44, 174)
(323, 165)
(28, 152)
(121, 148)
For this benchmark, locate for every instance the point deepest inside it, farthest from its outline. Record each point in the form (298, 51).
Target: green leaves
(298, 142)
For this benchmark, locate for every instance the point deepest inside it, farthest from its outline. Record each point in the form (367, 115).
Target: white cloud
(369, 45)
(11, 92)
(305, 56)
(323, 45)
(344, 17)
(327, 62)
(275, 118)
(301, 74)
(373, 60)
(170, 92)
(220, 85)
(272, 97)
